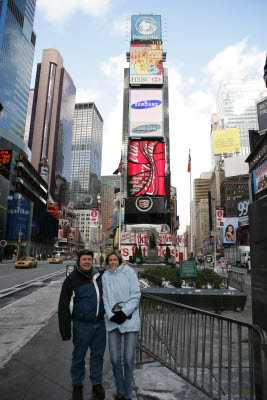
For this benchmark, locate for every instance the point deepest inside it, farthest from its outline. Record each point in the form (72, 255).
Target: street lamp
(214, 235)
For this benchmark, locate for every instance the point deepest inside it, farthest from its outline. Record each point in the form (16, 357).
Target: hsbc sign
(144, 80)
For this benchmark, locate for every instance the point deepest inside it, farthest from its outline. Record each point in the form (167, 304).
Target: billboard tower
(145, 153)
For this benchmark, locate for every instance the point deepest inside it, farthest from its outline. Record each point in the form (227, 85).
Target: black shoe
(77, 393)
(119, 398)
(98, 391)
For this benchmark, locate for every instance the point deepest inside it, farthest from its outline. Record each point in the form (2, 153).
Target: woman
(121, 296)
(230, 233)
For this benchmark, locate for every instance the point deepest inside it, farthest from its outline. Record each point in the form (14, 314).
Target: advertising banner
(146, 168)
(262, 114)
(142, 239)
(230, 226)
(94, 218)
(5, 162)
(146, 113)
(164, 238)
(219, 218)
(260, 178)
(146, 65)
(17, 219)
(127, 251)
(146, 27)
(128, 238)
(226, 141)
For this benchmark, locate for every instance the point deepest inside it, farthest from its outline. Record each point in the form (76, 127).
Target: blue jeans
(123, 376)
(85, 335)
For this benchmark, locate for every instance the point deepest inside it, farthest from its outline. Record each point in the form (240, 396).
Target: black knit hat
(85, 252)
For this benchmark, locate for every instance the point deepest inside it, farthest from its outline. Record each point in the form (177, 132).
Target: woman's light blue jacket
(121, 286)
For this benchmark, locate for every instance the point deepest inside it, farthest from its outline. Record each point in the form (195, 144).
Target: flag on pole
(119, 169)
(189, 162)
(176, 223)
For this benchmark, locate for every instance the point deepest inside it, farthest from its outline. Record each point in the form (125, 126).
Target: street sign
(188, 269)
(3, 243)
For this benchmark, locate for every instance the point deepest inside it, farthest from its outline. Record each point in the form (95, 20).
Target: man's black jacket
(88, 301)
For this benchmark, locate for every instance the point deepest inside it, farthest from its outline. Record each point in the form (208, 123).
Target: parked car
(55, 260)
(26, 262)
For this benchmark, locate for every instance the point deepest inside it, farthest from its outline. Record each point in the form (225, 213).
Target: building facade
(108, 197)
(236, 108)
(86, 156)
(52, 122)
(233, 190)
(17, 44)
(202, 224)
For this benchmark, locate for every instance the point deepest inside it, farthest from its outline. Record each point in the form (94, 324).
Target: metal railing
(222, 357)
(241, 281)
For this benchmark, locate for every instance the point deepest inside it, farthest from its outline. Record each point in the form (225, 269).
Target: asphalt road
(10, 276)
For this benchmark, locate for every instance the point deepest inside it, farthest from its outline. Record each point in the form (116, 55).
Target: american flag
(189, 162)
(176, 223)
(119, 169)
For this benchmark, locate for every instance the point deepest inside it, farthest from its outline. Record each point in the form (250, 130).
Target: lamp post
(214, 234)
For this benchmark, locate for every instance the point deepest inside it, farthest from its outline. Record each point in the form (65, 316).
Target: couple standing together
(114, 291)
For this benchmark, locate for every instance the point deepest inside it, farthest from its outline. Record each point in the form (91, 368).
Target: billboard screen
(5, 162)
(146, 27)
(226, 140)
(146, 168)
(146, 113)
(262, 114)
(146, 64)
(260, 178)
(4, 189)
(17, 219)
(230, 226)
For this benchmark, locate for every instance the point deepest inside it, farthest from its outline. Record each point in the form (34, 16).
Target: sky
(206, 41)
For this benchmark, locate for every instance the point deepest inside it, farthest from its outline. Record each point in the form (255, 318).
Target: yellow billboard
(226, 141)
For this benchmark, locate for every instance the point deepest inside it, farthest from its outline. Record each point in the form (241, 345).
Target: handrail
(214, 353)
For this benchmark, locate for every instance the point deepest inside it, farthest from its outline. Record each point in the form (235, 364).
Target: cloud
(57, 11)
(84, 95)
(121, 25)
(236, 62)
(112, 139)
(114, 67)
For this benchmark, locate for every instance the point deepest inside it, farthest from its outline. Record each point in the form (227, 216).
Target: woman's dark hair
(116, 254)
(226, 230)
(85, 253)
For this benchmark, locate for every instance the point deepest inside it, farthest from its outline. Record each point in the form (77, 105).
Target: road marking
(6, 275)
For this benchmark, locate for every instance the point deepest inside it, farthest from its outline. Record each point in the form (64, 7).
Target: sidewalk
(40, 368)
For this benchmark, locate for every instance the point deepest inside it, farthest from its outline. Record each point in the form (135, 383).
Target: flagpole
(191, 209)
(120, 214)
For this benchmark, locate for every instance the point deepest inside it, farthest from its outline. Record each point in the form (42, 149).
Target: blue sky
(206, 41)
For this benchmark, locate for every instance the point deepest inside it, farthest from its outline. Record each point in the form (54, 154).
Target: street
(10, 276)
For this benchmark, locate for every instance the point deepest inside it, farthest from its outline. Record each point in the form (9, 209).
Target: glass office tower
(17, 42)
(236, 107)
(86, 156)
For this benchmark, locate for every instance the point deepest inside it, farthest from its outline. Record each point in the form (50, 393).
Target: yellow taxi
(56, 260)
(68, 258)
(26, 262)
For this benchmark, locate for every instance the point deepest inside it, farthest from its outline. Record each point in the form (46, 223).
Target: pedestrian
(121, 295)
(88, 324)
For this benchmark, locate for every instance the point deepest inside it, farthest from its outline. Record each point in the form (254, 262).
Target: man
(87, 323)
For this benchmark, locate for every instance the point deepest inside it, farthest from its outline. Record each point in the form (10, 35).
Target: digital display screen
(146, 168)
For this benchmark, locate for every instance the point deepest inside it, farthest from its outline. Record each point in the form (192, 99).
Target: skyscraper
(86, 156)
(52, 123)
(17, 42)
(236, 108)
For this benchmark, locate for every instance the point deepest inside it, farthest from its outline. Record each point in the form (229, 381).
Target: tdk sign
(146, 27)
(146, 104)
